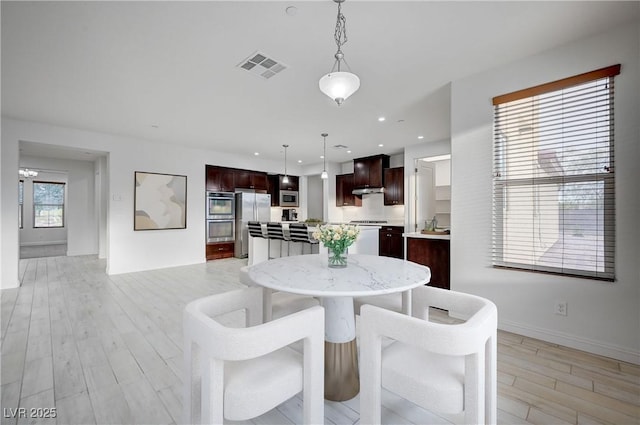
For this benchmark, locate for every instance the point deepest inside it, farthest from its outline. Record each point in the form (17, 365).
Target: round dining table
(365, 275)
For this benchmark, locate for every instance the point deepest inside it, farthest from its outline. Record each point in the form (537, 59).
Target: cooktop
(368, 221)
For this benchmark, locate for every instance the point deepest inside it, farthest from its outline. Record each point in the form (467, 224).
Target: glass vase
(337, 259)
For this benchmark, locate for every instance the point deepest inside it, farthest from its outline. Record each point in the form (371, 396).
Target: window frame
(502, 183)
(62, 205)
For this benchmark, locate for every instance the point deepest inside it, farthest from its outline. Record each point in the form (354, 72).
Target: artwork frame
(159, 201)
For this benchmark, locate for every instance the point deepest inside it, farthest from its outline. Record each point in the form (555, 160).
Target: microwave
(288, 198)
(220, 206)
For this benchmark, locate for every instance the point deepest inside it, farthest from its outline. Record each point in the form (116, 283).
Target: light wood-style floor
(107, 350)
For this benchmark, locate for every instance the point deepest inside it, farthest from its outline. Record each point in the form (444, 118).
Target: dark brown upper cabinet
(394, 186)
(368, 171)
(344, 197)
(219, 179)
(247, 179)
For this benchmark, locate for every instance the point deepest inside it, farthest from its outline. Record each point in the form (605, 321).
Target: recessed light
(421, 137)
(348, 151)
(381, 119)
(256, 153)
(380, 145)
(321, 156)
(299, 161)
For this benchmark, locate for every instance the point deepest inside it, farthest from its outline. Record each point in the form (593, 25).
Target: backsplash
(373, 208)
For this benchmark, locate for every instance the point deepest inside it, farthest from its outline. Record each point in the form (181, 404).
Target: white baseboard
(40, 243)
(572, 341)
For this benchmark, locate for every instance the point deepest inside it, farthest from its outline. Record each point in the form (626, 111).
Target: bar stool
(255, 230)
(299, 232)
(275, 232)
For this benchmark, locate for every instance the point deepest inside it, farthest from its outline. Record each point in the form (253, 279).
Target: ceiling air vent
(262, 66)
(340, 146)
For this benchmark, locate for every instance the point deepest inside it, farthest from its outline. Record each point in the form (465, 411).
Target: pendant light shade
(339, 85)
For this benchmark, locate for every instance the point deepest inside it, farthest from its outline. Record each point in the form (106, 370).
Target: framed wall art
(160, 201)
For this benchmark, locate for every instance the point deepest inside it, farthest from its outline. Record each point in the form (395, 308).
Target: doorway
(63, 208)
(41, 217)
(431, 193)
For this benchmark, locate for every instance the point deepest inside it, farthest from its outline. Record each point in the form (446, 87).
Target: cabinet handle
(389, 234)
(220, 249)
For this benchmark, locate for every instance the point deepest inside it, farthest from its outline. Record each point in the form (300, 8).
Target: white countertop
(426, 236)
(364, 275)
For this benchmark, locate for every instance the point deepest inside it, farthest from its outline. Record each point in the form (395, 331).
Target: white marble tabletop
(364, 275)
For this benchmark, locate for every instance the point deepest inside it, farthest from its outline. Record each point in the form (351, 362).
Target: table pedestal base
(341, 376)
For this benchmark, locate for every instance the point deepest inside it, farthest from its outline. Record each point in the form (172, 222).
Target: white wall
(102, 203)
(127, 250)
(314, 197)
(602, 317)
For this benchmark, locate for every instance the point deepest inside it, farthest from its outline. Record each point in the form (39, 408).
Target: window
(20, 202)
(48, 204)
(553, 187)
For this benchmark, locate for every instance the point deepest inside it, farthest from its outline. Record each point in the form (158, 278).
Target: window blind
(554, 177)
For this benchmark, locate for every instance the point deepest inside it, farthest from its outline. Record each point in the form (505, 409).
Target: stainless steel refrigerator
(250, 206)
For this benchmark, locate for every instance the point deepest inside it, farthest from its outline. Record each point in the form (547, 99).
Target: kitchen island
(431, 250)
(367, 243)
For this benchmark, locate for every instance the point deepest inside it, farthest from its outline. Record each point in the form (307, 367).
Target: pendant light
(285, 179)
(338, 84)
(324, 174)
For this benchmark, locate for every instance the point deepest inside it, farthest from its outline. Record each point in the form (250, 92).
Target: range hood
(368, 190)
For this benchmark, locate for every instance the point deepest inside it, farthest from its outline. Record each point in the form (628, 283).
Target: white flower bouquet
(337, 238)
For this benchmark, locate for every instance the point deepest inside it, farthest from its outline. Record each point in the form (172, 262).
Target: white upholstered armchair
(240, 373)
(446, 368)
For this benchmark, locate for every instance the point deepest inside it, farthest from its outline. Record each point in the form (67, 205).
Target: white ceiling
(167, 71)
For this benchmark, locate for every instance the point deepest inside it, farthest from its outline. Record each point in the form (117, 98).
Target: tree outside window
(48, 204)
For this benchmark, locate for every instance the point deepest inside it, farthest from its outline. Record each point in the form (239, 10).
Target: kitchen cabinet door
(259, 181)
(219, 250)
(368, 171)
(247, 179)
(394, 186)
(274, 190)
(391, 242)
(433, 253)
(219, 179)
(344, 187)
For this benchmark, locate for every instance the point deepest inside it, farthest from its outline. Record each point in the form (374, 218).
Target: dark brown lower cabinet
(219, 250)
(391, 242)
(433, 253)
